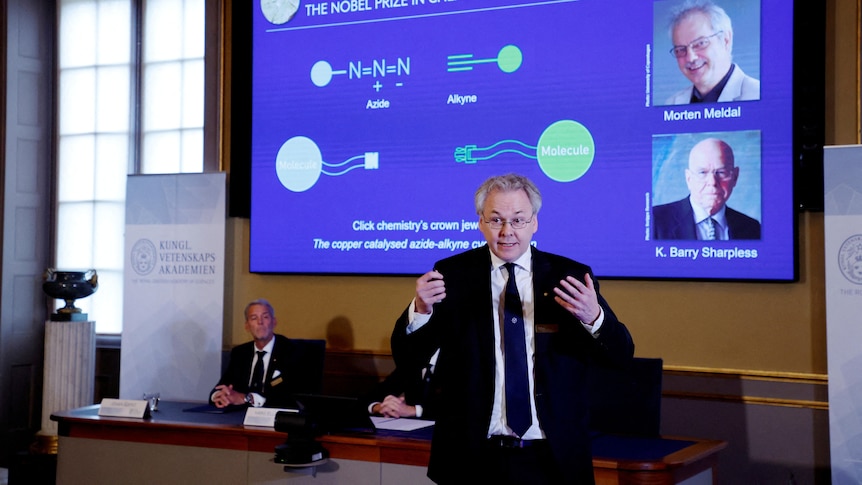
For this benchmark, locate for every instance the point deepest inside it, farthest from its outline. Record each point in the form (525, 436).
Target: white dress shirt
(258, 399)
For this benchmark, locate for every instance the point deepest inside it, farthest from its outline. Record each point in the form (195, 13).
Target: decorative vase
(69, 286)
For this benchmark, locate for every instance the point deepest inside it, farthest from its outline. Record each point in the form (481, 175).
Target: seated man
(405, 393)
(267, 371)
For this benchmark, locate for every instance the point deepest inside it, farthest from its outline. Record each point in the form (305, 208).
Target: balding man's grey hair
(508, 183)
(718, 18)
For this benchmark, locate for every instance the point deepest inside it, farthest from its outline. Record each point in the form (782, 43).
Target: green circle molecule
(566, 151)
(509, 59)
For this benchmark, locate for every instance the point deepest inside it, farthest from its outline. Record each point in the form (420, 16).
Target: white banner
(843, 252)
(173, 296)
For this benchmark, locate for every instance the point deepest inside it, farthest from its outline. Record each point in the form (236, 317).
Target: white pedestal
(70, 368)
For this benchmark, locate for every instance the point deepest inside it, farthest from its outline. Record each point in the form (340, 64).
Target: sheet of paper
(400, 424)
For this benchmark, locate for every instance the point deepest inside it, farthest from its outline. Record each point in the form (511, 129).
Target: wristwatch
(249, 399)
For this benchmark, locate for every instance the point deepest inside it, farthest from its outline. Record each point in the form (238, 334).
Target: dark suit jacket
(676, 221)
(288, 357)
(409, 381)
(462, 326)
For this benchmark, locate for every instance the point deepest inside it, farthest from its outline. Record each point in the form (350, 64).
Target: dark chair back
(314, 354)
(627, 401)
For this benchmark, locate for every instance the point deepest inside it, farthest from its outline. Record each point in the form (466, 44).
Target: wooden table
(655, 461)
(175, 446)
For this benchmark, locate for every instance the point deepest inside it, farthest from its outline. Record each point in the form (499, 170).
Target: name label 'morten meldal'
(707, 113)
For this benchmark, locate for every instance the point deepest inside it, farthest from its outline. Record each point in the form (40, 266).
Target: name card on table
(124, 408)
(264, 417)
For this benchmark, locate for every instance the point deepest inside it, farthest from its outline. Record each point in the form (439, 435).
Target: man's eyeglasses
(721, 174)
(697, 45)
(516, 223)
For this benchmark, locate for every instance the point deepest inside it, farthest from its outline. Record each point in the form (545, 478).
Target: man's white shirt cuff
(415, 321)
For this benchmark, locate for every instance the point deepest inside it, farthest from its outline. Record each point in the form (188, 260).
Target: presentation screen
(661, 140)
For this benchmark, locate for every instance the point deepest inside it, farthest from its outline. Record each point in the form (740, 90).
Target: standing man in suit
(711, 176)
(702, 37)
(266, 371)
(485, 432)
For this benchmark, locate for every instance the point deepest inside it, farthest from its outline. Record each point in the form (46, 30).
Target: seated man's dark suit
(416, 388)
(676, 221)
(462, 325)
(289, 358)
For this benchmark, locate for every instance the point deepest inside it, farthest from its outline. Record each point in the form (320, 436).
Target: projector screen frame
(807, 140)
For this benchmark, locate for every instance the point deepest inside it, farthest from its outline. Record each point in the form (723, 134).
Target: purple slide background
(582, 61)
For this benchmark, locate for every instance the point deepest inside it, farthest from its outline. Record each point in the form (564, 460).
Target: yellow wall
(769, 327)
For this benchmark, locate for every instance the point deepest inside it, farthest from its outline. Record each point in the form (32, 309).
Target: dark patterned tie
(518, 413)
(257, 374)
(712, 230)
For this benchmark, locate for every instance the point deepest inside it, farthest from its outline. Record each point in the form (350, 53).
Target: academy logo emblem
(850, 259)
(143, 257)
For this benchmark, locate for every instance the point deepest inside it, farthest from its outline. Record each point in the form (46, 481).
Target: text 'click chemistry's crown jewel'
(69, 286)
